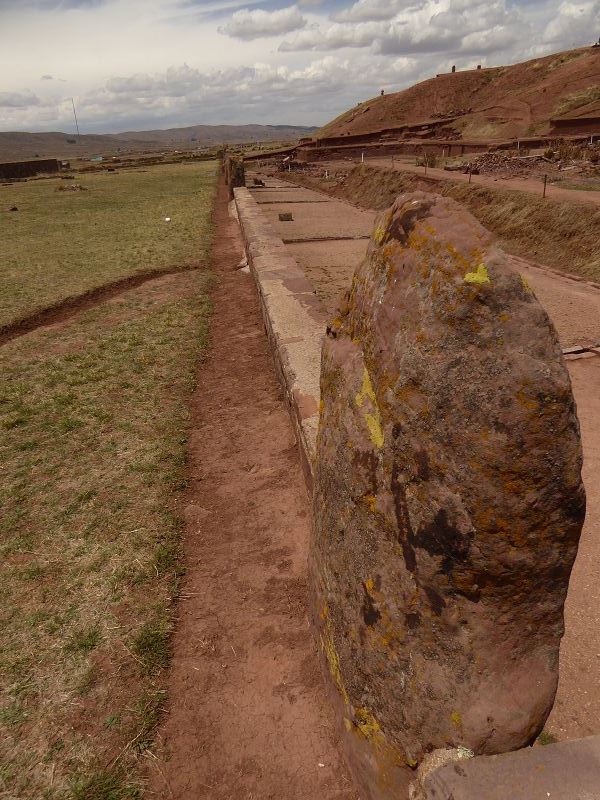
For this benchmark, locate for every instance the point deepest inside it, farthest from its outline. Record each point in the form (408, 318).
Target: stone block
(448, 501)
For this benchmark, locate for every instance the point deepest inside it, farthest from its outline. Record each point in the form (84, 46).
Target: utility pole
(76, 123)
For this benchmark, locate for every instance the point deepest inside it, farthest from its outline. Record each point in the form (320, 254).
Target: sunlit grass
(93, 430)
(60, 244)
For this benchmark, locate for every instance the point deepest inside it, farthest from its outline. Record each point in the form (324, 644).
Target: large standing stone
(448, 500)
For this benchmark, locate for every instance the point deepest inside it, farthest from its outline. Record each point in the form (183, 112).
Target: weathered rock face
(235, 174)
(448, 500)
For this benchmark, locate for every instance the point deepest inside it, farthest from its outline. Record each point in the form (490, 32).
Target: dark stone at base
(564, 771)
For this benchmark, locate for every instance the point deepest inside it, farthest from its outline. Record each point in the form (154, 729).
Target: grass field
(60, 244)
(93, 422)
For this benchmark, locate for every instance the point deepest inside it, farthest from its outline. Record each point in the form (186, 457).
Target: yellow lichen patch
(372, 419)
(460, 262)
(386, 633)
(331, 655)
(321, 406)
(527, 402)
(379, 235)
(366, 390)
(375, 429)
(368, 726)
(480, 276)
(456, 719)
(526, 284)
(336, 323)
(370, 585)
(370, 501)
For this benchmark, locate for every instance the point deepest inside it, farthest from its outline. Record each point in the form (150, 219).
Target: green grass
(60, 244)
(93, 428)
(546, 738)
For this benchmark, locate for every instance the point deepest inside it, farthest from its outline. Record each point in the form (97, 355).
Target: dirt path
(71, 306)
(576, 710)
(530, 185)
(247, 716)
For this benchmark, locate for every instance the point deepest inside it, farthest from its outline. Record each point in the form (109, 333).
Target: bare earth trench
(248, 716)
(574, 307)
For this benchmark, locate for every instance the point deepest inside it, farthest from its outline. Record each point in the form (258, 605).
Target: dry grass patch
(93, 430)
(60, 244)
(578, 99)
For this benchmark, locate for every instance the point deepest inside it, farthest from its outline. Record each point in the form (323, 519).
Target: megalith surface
(235, 173)
(448, 501)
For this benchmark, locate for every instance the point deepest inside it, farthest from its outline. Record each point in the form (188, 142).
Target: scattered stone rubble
(72, 187)
(511, 164)
(448, 501)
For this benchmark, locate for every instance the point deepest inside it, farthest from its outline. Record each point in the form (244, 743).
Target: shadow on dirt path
(247, 716)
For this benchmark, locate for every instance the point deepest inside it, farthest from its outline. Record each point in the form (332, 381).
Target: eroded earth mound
(492, 103)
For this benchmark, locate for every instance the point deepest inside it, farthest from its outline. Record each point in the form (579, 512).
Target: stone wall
(27, 169)
(235, 175)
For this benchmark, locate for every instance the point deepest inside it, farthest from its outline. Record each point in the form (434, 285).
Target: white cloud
(573, 22)
(436, 26)
(18, 99)
(369, 10)
(249, 24)
(262, 92)
(335, 37)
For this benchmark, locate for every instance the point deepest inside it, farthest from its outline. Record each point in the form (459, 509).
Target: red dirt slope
(496, 103)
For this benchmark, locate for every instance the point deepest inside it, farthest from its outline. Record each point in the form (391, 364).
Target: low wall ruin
(234, 172)
(27, 169)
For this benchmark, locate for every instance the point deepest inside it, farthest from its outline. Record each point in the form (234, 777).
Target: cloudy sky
(139, 64)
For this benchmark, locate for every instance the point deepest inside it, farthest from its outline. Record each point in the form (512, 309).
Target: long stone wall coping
(294, 320)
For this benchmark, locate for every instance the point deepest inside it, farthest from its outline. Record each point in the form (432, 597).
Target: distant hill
(493, 103)
(20, 145)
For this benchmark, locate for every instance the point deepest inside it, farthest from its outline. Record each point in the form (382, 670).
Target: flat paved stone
(565, 771)
(329, 266)
(312, 221)
(294, 194)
